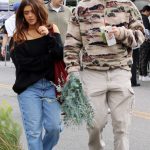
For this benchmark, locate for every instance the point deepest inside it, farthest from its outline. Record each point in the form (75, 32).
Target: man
(98, 47)
(9, 30)
(59, 15)
(145, 47)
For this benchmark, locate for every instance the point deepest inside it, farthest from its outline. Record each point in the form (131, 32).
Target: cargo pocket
(132, 102)
(131, 90)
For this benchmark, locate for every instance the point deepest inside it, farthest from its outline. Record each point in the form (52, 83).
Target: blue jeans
(40, 109)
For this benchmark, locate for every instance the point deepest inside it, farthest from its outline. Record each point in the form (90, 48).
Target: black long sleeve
(34, 60)
(57, 54)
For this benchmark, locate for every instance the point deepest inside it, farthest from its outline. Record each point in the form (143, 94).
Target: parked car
(5, 6)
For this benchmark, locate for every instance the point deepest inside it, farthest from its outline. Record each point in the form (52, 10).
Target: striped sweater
(84, 45)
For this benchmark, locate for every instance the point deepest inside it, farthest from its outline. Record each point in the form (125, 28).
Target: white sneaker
(140, 77)
(145, 78)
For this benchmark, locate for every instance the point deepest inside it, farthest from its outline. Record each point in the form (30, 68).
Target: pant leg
(145, 50)
(140, 62)
(51, 117)
(135, 56)
(94, 84)
(31, 110)
(120, 100)
(100, 121)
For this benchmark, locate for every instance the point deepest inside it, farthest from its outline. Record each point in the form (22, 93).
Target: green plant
(10, 130)
(76, 106)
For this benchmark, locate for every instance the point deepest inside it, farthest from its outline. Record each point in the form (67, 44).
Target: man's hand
(115, 31)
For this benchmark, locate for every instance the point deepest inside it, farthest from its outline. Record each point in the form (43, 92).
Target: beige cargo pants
(109, 89)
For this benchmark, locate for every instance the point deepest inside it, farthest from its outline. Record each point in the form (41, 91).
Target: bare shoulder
(55, 28)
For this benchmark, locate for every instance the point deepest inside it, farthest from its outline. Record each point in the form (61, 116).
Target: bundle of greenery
(76, 106)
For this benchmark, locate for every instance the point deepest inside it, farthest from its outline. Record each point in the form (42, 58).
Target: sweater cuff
(73, 69)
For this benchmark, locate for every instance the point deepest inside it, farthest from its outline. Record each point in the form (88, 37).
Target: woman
(34, 54)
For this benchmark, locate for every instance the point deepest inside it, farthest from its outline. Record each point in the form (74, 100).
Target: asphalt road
(76, 138)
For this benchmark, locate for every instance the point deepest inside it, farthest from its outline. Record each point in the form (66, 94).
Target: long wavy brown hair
(21, 24)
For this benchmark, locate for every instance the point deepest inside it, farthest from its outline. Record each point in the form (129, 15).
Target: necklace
(33, 34)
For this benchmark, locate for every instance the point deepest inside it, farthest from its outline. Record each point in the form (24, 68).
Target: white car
(5, 5)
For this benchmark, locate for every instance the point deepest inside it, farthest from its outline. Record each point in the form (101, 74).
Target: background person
(10, 27)
(145, 47)
(106, 74)
(135, 66)
(34, 54)
(59, 15)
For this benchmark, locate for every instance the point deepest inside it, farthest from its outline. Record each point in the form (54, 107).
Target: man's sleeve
(73, 45)
(134, 35)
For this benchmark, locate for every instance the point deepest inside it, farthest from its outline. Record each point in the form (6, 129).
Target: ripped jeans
(40, 110)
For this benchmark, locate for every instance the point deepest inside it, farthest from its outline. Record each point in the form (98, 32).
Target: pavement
(76, 138)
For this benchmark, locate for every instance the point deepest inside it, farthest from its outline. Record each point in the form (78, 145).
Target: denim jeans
(40, 110)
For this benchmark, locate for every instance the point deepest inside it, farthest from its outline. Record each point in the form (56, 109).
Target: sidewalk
(6, 64)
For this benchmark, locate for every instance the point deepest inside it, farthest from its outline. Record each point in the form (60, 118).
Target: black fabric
(5, 32)
(144, 57)
(135, 65)
(146, 22)
(34, 60)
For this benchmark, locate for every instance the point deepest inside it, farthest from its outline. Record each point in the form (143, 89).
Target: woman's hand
(43, 30)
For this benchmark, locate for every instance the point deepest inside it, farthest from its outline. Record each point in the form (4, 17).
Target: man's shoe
(134, 85)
